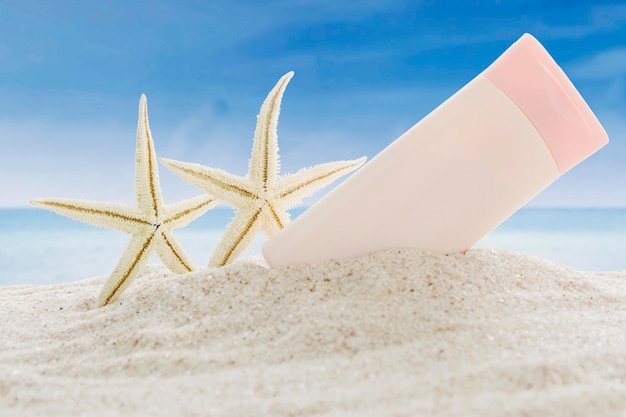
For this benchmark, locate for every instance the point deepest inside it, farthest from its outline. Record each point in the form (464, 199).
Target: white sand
(399, 333)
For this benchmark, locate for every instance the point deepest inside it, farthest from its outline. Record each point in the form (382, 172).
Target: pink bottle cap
(528, 75)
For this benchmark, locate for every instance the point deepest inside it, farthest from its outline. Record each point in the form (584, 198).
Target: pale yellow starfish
(261, 198)
(151, 223)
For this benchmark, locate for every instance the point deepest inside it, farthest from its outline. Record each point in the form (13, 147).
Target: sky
(72, 72)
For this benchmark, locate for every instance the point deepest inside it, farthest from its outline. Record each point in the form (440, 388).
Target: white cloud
(605, 64)
(287, 12)
(228, 23)
(609, 69)
(602, 18)
(608, 15)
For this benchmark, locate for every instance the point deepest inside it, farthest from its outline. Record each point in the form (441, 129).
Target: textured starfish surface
(261, 198)
(150, 223)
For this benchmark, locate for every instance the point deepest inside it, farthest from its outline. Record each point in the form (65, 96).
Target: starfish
(261, 198)
(150, 223)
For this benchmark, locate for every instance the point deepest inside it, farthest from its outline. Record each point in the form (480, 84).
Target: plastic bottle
(459, 172)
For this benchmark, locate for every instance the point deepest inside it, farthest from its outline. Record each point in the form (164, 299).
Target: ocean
(40, 247)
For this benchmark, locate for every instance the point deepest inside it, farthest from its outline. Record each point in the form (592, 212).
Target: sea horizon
(40, 247)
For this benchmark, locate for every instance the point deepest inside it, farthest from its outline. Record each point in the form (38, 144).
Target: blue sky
(71, 73)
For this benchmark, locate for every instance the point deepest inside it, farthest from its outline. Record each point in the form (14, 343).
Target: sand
(397, 333)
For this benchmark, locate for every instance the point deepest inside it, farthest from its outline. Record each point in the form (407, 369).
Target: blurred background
(71, 73)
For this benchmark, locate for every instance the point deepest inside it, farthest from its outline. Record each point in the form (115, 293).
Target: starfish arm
(240, 234)
(134, 258)
(293, 188)
(216, 182)
(172, 253)
(184, 212)
(147, 187)
(275, 218)
(264, 163)
(108, 215)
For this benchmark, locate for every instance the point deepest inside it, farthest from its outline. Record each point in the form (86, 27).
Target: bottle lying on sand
(459, 172)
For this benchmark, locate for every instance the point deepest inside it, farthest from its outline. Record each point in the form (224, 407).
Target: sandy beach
(396, 333)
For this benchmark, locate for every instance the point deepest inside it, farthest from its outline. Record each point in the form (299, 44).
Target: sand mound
(392, 333)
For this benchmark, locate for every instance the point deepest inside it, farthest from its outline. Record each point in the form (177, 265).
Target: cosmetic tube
(459, 172)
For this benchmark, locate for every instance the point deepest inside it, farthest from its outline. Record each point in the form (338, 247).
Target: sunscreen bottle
(459, 172)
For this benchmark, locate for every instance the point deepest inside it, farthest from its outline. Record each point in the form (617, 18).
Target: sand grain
(487, 333)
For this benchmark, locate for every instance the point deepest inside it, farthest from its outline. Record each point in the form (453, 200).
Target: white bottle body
(458, 173)
(449, 180)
